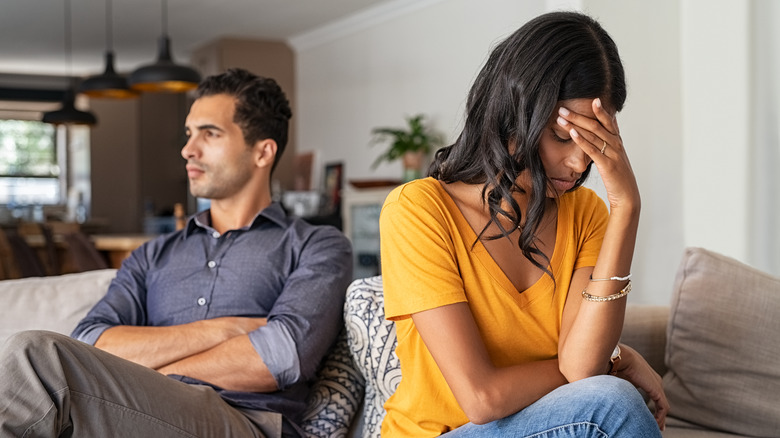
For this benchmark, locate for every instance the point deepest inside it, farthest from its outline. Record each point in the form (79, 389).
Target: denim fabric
(597, 407)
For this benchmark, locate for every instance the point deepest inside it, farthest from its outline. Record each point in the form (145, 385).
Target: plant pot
(413, 164)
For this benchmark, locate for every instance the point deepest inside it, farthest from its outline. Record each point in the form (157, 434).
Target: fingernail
(574, 133)
(598, 102)
(562, 121)
(563, 111)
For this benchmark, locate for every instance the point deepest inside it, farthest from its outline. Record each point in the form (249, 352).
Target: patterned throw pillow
(335, 395)
(372, 342)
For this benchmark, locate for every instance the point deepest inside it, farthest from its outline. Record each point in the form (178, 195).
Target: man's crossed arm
(216, 350)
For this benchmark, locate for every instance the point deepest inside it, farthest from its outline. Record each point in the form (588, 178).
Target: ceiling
(32, 32)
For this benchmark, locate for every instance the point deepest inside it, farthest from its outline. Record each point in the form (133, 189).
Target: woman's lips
(563, 185)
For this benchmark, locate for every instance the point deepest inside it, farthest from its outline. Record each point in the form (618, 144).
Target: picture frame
(332, 185)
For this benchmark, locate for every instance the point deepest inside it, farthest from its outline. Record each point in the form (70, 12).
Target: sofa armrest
(644, 330)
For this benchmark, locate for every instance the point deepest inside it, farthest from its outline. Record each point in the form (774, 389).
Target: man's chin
(199, 193)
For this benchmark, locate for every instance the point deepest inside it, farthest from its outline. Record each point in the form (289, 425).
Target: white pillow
(54, 303)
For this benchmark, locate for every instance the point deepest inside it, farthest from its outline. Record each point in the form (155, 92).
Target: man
(238, 308)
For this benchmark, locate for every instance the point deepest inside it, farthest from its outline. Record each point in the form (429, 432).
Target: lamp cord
(68, 60)
(164, 16)
(109, 27)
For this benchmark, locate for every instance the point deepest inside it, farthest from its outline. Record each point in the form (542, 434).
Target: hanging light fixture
(68, 114)
(164, 75)
(109, 84)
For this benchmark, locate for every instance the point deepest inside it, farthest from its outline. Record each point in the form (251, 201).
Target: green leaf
(415, 137)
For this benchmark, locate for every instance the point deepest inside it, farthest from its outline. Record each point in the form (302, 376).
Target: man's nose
(189, 149)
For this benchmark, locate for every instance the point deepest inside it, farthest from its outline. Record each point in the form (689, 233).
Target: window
(29, 167)
(44, 169)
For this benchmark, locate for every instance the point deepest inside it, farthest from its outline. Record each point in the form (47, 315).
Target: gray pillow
(723, 346)
(54, 303)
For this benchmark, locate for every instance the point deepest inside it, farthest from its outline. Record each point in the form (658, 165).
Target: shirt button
(215, 234)
(201, 301)
(212, 263)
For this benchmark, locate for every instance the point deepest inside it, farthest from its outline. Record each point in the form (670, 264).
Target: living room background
(687, 121)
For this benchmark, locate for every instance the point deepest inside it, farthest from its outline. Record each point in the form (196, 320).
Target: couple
(506, 279)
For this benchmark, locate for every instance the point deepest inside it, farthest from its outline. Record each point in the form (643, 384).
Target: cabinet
(360, 212)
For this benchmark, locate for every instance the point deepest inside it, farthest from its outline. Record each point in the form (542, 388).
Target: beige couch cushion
(723, 346)
(50, 303)
(644, 329)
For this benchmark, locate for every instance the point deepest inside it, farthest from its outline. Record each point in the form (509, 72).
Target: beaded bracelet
(623, 292)
(627, 277)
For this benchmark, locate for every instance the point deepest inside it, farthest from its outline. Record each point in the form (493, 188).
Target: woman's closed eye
(559, 138)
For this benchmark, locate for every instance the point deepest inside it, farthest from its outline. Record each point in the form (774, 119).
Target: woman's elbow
(481, 407)
(574, 370)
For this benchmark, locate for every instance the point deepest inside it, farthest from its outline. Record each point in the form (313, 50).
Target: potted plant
(412, 144)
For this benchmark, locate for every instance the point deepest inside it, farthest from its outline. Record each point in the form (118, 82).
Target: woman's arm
(484, 392)
(591, 329)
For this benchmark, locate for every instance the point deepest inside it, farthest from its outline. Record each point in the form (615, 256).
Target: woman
(506, 279)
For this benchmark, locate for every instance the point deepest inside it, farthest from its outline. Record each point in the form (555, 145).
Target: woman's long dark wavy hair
(554, 57)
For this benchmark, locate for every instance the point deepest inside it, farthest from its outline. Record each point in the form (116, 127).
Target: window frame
(33, 111)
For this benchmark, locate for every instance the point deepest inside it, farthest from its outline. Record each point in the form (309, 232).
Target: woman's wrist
(628, 213)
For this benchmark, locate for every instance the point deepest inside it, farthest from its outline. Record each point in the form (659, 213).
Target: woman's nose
(578, 160)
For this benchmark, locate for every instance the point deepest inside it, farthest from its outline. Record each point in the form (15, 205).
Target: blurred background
(700, 123)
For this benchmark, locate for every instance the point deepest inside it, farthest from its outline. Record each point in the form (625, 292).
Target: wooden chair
(8, 268)
(23, 261)
(82, 252)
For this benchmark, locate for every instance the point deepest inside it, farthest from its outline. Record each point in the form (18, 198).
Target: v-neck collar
(543, 284)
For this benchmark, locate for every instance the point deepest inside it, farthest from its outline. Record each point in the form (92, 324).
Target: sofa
(717, 346)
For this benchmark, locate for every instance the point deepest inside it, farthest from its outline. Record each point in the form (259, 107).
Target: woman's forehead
(582, 106)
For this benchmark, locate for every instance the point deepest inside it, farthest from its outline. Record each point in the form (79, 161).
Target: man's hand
(233, 364)
(235, 325)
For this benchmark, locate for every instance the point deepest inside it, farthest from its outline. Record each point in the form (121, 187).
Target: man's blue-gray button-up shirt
(280, 268)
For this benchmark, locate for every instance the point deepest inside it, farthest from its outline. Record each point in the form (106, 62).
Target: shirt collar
(273, 213)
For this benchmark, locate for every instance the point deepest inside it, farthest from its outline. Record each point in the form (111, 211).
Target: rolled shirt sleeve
(124, 302)
(308, 314)
(283, 269)
(276, 345)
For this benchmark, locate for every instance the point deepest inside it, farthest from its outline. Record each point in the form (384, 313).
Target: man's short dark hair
(262, 110)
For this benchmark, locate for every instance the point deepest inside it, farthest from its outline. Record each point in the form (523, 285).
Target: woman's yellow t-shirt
(429, 260)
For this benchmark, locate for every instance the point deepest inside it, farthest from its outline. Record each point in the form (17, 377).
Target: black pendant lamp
(164, 75)
(68, 114)
(109, 84)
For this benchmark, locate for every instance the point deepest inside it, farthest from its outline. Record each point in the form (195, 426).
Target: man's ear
(265, 152)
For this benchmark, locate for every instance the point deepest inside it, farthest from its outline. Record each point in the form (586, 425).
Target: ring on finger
(604, 147)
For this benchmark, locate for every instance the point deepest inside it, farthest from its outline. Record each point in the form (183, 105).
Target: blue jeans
(598, 407)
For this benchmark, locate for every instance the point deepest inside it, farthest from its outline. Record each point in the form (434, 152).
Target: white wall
(765, 126)
(647, 36)
(423, 60)
(684, 123)
(716, 97)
